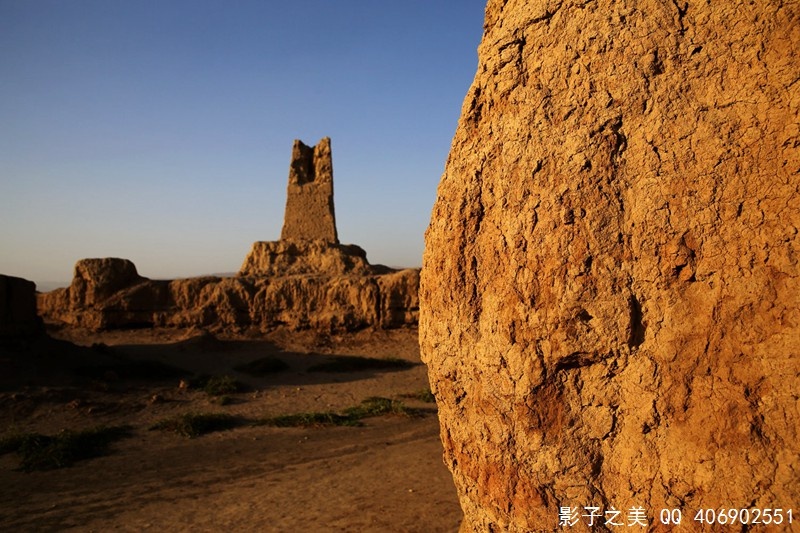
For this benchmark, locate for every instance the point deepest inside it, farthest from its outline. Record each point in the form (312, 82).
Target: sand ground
(386, 475)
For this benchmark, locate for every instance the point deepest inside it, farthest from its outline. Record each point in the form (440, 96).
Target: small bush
(216, 385)
(219, 385)
(312, 420)
(222, 400)
(193, 425)
(377, 406)
(48, 452)
(264, 366)
(352, 416)
(346, 363)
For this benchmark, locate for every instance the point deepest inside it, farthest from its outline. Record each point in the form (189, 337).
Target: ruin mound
(610, 282)
(305, 280)
(305, 257)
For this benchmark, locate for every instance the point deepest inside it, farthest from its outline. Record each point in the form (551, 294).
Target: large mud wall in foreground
(609, 295)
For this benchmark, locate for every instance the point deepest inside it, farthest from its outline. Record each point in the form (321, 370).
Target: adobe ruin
(309, 241)
(309, 196)
(609, 296)
(307, 279)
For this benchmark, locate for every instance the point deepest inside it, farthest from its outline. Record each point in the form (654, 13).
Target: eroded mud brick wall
(309, 202)
(610, 287)
(18, 316)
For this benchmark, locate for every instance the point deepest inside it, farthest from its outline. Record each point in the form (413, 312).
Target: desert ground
(384, 473)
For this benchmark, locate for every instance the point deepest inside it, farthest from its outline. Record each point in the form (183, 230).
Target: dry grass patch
(352, 416)
(48, 452)
(193, 425)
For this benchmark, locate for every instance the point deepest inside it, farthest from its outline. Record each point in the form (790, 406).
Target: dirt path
(384, 476)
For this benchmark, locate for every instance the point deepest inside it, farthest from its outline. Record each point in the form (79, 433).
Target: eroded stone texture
(297, 301)
(610, 284)
(96, 279)
(309, 197)
(399, 297)
(290, 257)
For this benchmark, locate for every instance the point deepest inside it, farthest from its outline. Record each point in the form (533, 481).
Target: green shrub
(221, 400)
(193, 425)
(312, 420)
(376, 406)
(216, 385)
(48, 452)
(352, 416)
(219, 385)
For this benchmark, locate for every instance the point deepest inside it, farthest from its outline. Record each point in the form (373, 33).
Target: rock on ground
(610, 286)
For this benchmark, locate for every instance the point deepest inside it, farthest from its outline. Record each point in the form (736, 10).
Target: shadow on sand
(257, 364)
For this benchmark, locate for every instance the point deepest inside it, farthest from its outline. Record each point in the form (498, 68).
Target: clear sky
(161, 130)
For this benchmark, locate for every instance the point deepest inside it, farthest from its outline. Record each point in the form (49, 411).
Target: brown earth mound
(611, 282)
(307, 257)
(305, 280)
(220, 304)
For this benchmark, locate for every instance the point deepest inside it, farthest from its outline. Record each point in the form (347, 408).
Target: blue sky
(161, 131)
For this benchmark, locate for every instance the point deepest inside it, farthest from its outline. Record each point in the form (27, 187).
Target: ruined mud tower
(307, 279)
(309, 196)
(309, 242)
